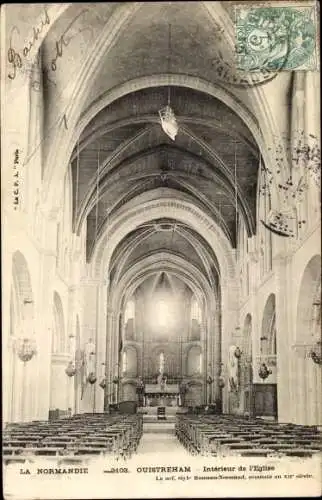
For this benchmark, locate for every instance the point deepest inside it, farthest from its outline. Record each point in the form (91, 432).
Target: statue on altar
(162, 381)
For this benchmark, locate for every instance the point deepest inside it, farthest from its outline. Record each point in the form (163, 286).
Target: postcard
(161, 285)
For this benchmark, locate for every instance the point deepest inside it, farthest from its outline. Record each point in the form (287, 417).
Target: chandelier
(283, 222)
(305, 161)
(237, 352)
(26, 349)
(168, 119)
(264, 371)
(103, 383)
(91, 378)
(70, 369)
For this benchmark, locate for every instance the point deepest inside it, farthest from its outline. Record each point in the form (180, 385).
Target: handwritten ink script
(15, 193)
(64, 40)
(18, 59)
(15, 58)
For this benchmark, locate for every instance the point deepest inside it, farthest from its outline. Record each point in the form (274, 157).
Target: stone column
(317, 396)
(297, 139)
(44, 313)
(117, 373)
(109, 358)
(254, 259)
(71, 334)
(313, 393)
(283, 339)
(8, 355)
(298, 392)
(217, 366)
(101, 343)
(59, 393)
(312, 126)
(229, 321)
(90, 288)
(204, 337)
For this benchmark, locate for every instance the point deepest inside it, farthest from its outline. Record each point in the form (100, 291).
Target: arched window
(161, 362)
(316, 315)
(268, 336)
(200, 363)
(124, 362)
(129, 311)
(195, 310)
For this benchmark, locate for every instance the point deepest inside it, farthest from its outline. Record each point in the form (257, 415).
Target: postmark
(276, 38)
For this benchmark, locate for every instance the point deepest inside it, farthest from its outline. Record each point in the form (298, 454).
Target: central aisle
(160, 443)
(160, 438)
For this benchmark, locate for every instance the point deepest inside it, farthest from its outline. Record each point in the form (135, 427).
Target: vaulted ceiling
(122, 152)
(164, 236)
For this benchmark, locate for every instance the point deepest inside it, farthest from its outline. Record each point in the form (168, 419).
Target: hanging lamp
(168, 119)
(25, 346)
(70, 369)
(280, 222)
(26, 349)
(103, 381)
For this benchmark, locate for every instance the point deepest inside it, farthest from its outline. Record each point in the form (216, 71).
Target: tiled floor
(160, 443)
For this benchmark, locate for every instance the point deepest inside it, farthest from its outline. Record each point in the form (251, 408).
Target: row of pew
(80, 435)
(224, 435)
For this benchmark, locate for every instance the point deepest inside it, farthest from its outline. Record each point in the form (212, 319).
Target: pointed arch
(268, 332)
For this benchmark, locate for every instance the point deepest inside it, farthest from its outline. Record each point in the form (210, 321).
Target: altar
(162, 395)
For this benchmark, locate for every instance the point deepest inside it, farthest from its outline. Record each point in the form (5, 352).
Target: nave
(164, 248)
(80, 437)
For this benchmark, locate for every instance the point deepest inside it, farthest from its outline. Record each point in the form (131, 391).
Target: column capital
(88, 281)
(110, 311)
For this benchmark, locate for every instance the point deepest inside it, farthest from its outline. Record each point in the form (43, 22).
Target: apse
(163, 309)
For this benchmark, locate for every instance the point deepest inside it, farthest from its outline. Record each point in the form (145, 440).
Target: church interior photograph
(161, 237)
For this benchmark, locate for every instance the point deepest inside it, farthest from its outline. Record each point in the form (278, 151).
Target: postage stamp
(276, 38)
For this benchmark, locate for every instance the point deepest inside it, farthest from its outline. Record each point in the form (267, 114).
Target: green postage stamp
(276, 37)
